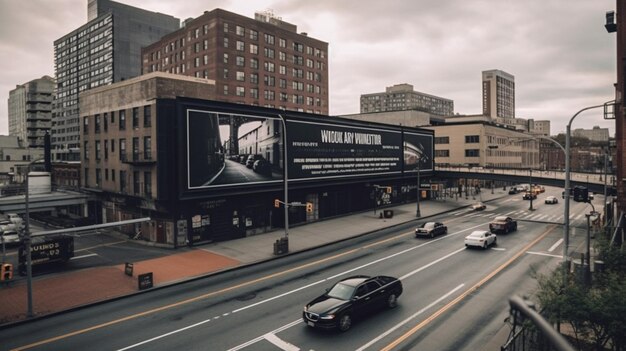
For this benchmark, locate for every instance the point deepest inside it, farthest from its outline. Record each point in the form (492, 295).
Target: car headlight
(306, 308)
(328, 316)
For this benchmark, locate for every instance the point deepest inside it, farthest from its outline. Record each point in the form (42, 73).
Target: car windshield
(477, 234)
(429, 225)
(341, 291)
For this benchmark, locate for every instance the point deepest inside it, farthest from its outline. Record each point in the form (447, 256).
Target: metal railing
(530, 331)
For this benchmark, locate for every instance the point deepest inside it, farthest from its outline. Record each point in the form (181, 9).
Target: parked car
(243, 158)
(16, 219)
(503, 224)
(529, 195)
(351, 298)
(480, 238)
(431, 229)
(590, 196)
(10, 237)
(252, 159)
(479, 206)
(262, 166)
(552, 200)
(6, 224)
(513, 191)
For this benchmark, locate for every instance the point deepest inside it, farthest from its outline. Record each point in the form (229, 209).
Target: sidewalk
(64, 292)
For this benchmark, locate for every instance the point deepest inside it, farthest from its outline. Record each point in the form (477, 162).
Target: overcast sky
(558, 50)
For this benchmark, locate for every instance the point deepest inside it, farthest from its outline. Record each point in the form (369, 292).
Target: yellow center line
(466, 293)
(200, 297)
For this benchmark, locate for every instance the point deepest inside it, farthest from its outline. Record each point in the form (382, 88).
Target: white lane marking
(579, 216)
(556, 244)
(498, 248)
(543, 254)
(506, 214)
(542, 217)
(378, 338)
(304, 287)
(430, 264)
(280, 343)
(254, 341)
(83, 256)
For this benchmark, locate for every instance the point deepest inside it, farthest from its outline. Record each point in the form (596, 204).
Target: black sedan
(351, 298)
(431, 229)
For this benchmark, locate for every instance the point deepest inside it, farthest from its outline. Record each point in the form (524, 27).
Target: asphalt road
(454, 298)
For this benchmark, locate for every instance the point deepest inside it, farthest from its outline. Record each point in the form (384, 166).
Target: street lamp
(419, 186)
(285, 181)
(532, 191)
(27, 246)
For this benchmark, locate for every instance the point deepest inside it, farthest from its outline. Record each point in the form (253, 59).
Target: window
(136, 182)
(254, 49)
(471, 139)
(442, 153)
(225, 58)
(106, 149)
(225, 73)
(269, 66)
(442, 140)
(86, 179)
(86, 150)
(282, 56)
(240, 61)
(122, 149)
(240, 91)
(135, 149)
(135, 117)
(112, 145)
(282, 69)
(254, 35)
(147, 116)
(282, 42)
(268, 52)
(225, 27)
(98, 177)
(254, 78)
(105, 118)
(269, 81)
(147, 184)
(123, 184)
(269, 95)
(112, 117)
(282, 83)
(254, 93)
(147, 148)
(269, 39)
(122, 119)
(112, 175)
(86, 124)
(472, 153)
(225, 42)
(98, 150)
(239, 30)
(241, 76)
(254, 63)
(240, 46)
(225, 89)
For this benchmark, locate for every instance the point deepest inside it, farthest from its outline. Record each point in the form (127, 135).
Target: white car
(9, 237)
(480, 238)
(15, 218)
(552, 200)
(479, 206)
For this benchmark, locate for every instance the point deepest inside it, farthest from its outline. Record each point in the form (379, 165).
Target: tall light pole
(532, 192)
(285, 180)
(418, 214)
(567, 186)
(27, 246)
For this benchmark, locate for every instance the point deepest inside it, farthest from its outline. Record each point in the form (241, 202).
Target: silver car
(480, 238)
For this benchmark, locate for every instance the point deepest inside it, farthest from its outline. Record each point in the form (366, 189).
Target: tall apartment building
(30, 111)
(498, 94)
(261, 61)
(106, 49)
(402, 97)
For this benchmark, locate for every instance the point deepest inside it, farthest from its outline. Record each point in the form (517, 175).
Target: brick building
(261, 61)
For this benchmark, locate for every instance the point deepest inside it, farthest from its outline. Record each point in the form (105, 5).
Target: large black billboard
(231, 149)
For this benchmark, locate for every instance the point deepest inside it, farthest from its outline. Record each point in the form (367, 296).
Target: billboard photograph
(229, 149)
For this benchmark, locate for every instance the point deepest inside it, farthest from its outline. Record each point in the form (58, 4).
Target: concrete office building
(30, 111)
(408, 118)
(401, 97)
(261, 61)
(106, 49)
(595, 134)
(498, 94)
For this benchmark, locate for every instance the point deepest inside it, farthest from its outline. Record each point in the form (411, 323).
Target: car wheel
(485, 246)
(445, 231)
(495, 241)
(432, 235)
(392, 301)
(345, 322)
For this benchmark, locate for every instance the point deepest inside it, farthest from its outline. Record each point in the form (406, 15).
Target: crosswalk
(519, 214)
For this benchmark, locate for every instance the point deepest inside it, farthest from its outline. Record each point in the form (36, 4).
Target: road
(454, 298)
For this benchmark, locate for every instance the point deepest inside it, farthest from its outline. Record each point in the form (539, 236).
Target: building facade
(498, 94)
(105, 50)
(152, 148)
(30, 111)
(409, 118)
(483, 144)
(401, 97)
(595, 134)
(261, 62)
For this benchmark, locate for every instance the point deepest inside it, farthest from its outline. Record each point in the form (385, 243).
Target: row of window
(141, 181)
(102, 148)
(469, 139)
(101, 121)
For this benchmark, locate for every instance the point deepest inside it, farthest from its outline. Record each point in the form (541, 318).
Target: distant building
(407, 118)
(262, 61)
(402, 97)
(498, 94)
(527, 125)
(14, 153)
(106, 49)
(596, 134)
(30, 111)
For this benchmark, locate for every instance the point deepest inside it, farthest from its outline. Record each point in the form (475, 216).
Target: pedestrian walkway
(63, 292)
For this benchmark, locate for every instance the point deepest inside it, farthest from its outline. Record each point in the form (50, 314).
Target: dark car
(262, 166)
(252, 159)
(351, 298)
(431, 229)
(529, 195)
(503, 224)
(243, 159)
(513, 191)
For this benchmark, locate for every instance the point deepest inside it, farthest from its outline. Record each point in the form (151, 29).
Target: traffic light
(276, 203)
(388, 190)
(6, 272)
(309, 207)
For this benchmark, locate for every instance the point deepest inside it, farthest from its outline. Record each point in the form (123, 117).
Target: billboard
(230, 149)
